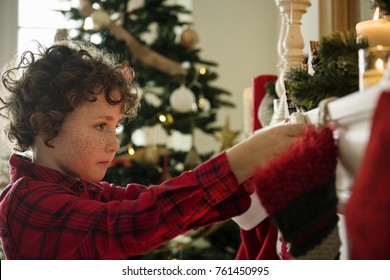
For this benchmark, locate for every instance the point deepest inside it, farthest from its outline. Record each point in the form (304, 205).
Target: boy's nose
(113, 144)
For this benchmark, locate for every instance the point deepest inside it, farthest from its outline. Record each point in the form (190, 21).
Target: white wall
(310, 25)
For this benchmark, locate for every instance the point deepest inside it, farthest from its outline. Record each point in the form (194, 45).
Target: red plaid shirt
(45, 214)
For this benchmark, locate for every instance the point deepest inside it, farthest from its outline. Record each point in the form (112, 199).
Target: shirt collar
(21, 166)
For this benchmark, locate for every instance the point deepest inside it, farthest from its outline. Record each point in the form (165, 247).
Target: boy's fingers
(295, 129)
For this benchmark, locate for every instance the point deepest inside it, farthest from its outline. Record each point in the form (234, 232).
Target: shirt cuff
(216, 179)
(253, 216)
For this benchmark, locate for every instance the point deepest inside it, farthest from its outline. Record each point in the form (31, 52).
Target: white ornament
(152, 99)
(135, 4)
(182, 100)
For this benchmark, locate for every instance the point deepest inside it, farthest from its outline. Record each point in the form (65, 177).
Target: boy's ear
(36, 123)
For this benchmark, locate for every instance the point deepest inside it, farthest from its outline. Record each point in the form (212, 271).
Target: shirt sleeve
(128, 221)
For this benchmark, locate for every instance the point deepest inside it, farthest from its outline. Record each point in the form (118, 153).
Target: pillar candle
(377, 30)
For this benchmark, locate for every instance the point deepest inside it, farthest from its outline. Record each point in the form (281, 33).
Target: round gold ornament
(189, 38)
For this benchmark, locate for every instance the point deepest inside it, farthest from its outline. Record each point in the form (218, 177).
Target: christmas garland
(335, 62)
(101, 20)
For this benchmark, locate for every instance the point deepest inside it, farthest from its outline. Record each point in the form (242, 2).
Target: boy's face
(87, 142)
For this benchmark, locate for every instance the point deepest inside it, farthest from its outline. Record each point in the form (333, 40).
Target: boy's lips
(105, 162)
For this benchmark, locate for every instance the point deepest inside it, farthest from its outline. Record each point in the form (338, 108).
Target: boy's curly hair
(54, 82)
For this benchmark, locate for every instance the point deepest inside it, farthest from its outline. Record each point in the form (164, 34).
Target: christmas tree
(154, 38)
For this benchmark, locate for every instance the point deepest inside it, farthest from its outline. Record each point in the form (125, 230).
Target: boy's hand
(264, 145)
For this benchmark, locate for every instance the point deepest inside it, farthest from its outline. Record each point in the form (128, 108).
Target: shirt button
(81, 187)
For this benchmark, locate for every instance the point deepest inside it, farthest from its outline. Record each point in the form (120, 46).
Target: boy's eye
(101, 126)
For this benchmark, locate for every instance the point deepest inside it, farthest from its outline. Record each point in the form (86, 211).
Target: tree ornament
(204, 104)
(189, 38)
(101, 19)
(135, 4)
(152, 99)
(152, 154)
(265, 112)
(227, 136)
(192, 159)
(183, 100)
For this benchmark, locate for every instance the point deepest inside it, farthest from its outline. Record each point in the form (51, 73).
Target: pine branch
(337, 73)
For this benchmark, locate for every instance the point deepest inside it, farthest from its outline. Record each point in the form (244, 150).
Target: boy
(65, 108)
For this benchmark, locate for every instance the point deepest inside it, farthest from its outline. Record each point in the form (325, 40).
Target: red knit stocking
(298, 190)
